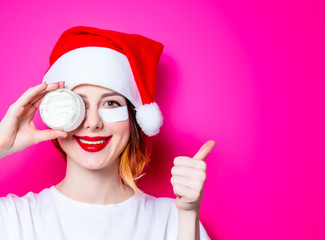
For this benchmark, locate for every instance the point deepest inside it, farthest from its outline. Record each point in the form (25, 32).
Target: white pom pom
(149, 118)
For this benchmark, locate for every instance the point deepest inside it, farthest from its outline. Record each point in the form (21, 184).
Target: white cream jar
(62, 109)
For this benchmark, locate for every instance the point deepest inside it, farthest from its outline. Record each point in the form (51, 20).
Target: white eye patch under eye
(114, 114)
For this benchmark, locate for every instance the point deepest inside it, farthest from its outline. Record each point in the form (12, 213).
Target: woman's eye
(112, 104)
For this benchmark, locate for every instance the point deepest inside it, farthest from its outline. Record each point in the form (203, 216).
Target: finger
(205, 150)
(188, 172)
(40, 96)
(190, 162)
(29, 114)
(62, 84)
(34, 92)
(31, 111)
(31, 93)
(182, 191)
(44, 135)
(50, 87)
(190, 183)
(37, 103)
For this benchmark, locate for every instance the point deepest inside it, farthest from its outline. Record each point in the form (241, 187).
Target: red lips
(92, 147)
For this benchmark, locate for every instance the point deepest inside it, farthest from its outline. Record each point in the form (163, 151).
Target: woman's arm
(188, 177)
(188, 225)
(17, 130)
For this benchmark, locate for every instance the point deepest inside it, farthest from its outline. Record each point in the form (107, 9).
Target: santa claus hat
(125, 63)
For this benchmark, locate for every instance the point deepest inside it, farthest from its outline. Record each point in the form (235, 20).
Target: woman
(98, 198)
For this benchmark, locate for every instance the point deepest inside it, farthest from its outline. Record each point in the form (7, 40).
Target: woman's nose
(93, 120)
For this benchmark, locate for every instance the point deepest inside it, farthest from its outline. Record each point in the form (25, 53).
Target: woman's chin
(94, 161)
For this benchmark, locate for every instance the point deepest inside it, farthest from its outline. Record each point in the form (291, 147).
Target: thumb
(49, 134)
(205, 150)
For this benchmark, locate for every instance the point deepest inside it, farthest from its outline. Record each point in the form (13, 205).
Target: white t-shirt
(51, 215)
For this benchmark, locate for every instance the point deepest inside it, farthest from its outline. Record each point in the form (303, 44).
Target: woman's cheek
(66, 143)
(121, 128)
(121, 132)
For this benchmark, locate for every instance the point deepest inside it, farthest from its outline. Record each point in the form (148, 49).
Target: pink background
(247, 74)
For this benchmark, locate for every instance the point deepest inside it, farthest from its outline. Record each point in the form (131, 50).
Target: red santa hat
(125, 63)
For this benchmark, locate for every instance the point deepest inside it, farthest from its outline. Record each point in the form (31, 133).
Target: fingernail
(53, 83)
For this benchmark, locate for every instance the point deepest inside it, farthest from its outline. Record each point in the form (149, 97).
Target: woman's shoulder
(160, 212)
(150, 199)
(30, 198)
(157, 204)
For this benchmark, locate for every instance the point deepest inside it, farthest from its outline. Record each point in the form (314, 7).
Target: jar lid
(62, 109)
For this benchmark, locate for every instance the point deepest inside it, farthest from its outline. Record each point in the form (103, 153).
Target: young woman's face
(97, 144)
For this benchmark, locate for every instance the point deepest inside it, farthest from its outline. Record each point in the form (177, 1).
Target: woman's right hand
(17, 129)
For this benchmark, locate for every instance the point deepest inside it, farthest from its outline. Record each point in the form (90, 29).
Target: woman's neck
(102, 186)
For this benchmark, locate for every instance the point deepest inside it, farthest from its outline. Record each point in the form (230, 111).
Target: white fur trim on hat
(149, 118)
(98, 66)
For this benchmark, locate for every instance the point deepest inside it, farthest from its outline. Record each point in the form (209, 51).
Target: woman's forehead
(95, 93)
(87, 89)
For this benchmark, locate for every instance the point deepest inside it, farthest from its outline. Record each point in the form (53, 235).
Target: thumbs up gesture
(188, 177)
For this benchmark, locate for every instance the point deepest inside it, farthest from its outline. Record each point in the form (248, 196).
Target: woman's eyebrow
(110, 94)
(104, 95)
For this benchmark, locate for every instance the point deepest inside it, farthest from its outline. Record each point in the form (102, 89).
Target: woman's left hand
(188, 177)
